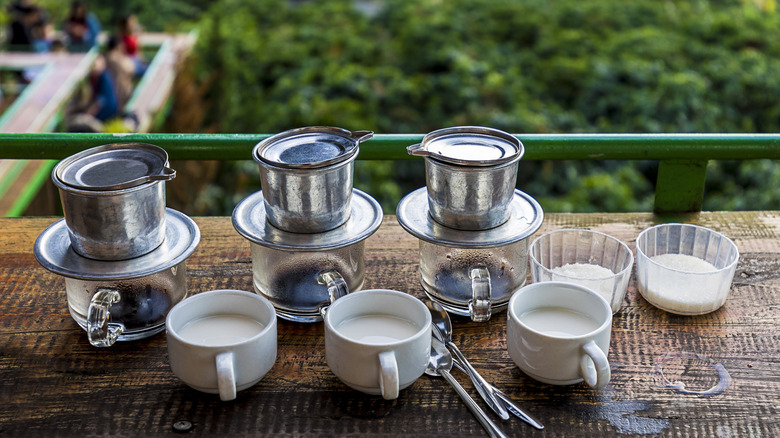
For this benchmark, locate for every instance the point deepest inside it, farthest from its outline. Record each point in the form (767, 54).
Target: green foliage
(743, 185)
(525, 67)
(154, 15)
(586, 187)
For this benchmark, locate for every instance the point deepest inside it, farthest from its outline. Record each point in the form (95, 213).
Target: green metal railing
(680, 186)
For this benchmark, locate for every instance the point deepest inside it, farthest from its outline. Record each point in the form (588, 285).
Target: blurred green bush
(536, 66)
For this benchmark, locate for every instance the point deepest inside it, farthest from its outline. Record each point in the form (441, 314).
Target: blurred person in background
(122, 68)
(25, 15)
(104, 104)
(128, 32)
(81, 27)
(95, 103)
(42, 33)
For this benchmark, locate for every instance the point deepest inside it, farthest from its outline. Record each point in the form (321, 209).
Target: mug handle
(388, 375)
(594, 367)
(226, 376)
(336, 285)
(479, 305)
(100, 331)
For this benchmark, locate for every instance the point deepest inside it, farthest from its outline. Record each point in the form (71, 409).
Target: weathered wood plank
(52, 382)
(36, 107)
(154, 89)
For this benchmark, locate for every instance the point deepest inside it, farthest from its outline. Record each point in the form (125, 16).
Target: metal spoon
(442, 330)
(440, 364)
(510, 405)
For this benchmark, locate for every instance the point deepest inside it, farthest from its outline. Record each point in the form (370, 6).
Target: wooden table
(52, 382)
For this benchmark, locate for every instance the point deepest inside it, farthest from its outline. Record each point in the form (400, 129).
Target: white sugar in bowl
(685, 269)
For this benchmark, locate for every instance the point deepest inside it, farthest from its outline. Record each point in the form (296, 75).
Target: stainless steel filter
(113, 199)
(471, 174)
(306, 177)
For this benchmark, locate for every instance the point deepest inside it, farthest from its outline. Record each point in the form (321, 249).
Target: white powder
(595, 277)
(583, 270)
(688, 292)
(683, 262)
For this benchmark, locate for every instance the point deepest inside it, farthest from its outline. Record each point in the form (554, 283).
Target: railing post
(679, 187)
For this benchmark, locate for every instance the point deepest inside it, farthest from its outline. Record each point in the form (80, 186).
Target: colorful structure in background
(39, 108)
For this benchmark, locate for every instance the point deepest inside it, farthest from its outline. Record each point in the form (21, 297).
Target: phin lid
(311, 147)
(469, 146)
(114, 166)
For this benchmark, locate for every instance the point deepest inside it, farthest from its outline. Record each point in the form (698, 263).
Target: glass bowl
(685, 269)
(591, 259)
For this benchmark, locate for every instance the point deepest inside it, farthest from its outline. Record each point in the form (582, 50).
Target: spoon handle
(513, 408)
(484, 388)
(510, 405)
(483, 419)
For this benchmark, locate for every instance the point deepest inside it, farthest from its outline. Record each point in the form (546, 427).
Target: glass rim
(629, 266)
(731, 265)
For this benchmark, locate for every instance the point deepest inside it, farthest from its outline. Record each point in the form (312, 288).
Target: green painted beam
(680, 186)
(393, 146)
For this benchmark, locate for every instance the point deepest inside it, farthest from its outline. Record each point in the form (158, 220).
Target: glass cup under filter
(473, 281)
(303, 273)
(300, 283)
(134, 308)
(471, 273)
(125, 299)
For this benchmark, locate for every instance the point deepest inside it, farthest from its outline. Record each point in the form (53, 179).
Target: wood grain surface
(53, 383)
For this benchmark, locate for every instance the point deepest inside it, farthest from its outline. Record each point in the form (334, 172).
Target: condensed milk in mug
(222, 341)
(559, 333)
(378, 341)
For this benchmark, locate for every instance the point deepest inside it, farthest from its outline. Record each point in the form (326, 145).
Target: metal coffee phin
(306, 177)
(471, 172)
(113, 199)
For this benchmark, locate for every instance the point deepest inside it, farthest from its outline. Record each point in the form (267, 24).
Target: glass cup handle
(100, 331)
(388, 375)
(226, 376)
(594, 366)
(479, 305)
(337, 287)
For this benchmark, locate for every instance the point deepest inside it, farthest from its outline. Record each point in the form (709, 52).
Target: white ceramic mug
(558, 333)
(378, 341)
(222, 341)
